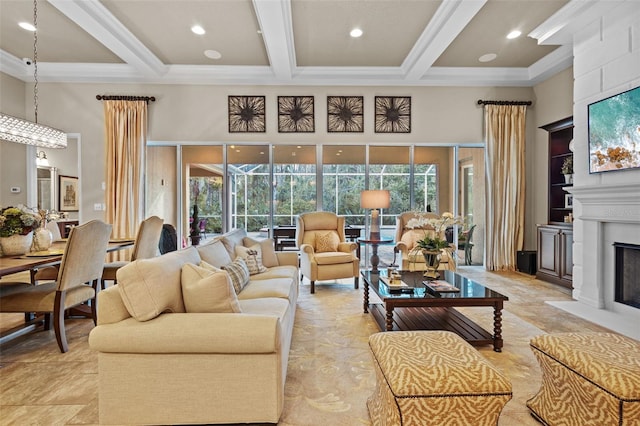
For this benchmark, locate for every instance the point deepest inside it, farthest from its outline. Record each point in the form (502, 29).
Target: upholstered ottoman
(433, 378)
(587, 379)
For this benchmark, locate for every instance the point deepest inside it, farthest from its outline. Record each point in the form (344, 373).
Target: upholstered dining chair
(144, 247)
(324, 253)
(47, 273)
(406, 238)
(77, 281)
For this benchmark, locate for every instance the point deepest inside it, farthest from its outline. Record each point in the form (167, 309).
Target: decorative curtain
(125, 135)
(505, 138)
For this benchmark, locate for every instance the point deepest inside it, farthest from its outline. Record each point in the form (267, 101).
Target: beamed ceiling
(295, 42)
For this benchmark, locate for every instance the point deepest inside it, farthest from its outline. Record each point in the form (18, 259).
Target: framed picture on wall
(295, 114)
(68, 194)
(393, 114)
(345, 114)
(247, 114)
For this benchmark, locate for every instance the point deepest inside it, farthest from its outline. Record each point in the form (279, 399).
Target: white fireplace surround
(604, 214)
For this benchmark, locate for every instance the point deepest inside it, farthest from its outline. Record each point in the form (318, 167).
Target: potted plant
(194, 232)
(16, 230)
(567, 169)
(432, 244)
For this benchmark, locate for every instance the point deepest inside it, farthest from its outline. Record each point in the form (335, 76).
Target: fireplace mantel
(608, 203)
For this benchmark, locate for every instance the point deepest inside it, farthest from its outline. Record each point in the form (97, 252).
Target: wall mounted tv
(614, 132)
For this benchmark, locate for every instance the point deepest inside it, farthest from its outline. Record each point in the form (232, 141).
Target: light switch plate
(15, 189)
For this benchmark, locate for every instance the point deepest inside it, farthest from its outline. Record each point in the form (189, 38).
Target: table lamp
(374, 200)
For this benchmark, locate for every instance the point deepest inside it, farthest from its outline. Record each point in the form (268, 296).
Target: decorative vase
(16, 245)
(568, 178)
(432, 262)
(42, 239)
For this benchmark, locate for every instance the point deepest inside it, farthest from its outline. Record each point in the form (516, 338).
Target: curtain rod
(481, 102)
(126, 98)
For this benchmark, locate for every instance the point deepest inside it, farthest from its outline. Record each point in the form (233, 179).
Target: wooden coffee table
(422, 309)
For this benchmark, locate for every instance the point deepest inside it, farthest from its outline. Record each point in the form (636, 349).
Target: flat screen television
(614, 132)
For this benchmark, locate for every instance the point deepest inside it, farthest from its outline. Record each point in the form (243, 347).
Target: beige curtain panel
(505, 138)
(125, 135)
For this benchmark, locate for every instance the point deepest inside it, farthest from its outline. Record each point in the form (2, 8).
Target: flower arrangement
(438, 224)
(18, 221)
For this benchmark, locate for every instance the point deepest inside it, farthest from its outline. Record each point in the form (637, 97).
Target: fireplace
(627, 275)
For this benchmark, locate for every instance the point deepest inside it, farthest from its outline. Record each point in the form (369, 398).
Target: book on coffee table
(440, 286)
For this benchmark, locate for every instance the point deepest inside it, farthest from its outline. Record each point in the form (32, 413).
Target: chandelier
(17, 130)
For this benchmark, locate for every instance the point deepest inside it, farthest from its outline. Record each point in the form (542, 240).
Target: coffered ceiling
(294, 42)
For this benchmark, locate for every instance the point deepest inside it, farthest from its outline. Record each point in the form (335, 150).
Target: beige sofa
(164, 359)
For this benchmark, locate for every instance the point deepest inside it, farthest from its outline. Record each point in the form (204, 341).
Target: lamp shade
(375, 199)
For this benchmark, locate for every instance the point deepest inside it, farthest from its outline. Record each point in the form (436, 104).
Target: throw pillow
(209, 266)
(239, 273)
(206, 291)
(269, 257)
(327, 241)
(253, 257)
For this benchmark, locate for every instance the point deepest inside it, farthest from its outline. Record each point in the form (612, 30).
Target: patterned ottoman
(587, 379)
(433, 378)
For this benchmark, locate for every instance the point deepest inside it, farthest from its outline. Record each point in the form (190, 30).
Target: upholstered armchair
(324, 253)
(413, 260)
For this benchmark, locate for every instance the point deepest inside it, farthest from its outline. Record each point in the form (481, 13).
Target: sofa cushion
(253, 258)
(284, 271)
(326, 241)
(150, 287)
(239, 274)
(266, 306)
(232, 239)
(282, 288)
(269, 257)
(333, 258)
(215, 253)
(206, 291)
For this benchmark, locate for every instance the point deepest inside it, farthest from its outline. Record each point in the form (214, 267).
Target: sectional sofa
(181, 341)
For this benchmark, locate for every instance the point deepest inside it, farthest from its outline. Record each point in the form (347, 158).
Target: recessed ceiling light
(487, 57)
(513, 34)
(212, 54)
(27, 26)
(197, 29)
(355, 33)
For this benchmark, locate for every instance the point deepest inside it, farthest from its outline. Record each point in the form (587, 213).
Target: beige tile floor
(39, 385)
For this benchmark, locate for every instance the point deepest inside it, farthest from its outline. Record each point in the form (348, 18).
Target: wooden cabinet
(555, 254)
(560, 135)
(555, 240)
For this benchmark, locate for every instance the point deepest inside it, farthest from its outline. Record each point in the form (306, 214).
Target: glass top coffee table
(418, 307)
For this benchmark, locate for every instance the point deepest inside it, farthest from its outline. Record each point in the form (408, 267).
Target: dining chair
(47, 273)
(144, 247)
(77, 281)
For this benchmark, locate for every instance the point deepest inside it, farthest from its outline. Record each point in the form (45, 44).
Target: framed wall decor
(247, 114)
(68, 194)
(295, 114)
(393, 114)
(345, 114)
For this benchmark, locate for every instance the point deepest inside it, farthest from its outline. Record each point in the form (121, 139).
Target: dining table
(53, 256)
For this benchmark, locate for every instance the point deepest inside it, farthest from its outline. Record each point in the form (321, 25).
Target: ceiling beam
(274, 18)
(96, 20)
(448, 21)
